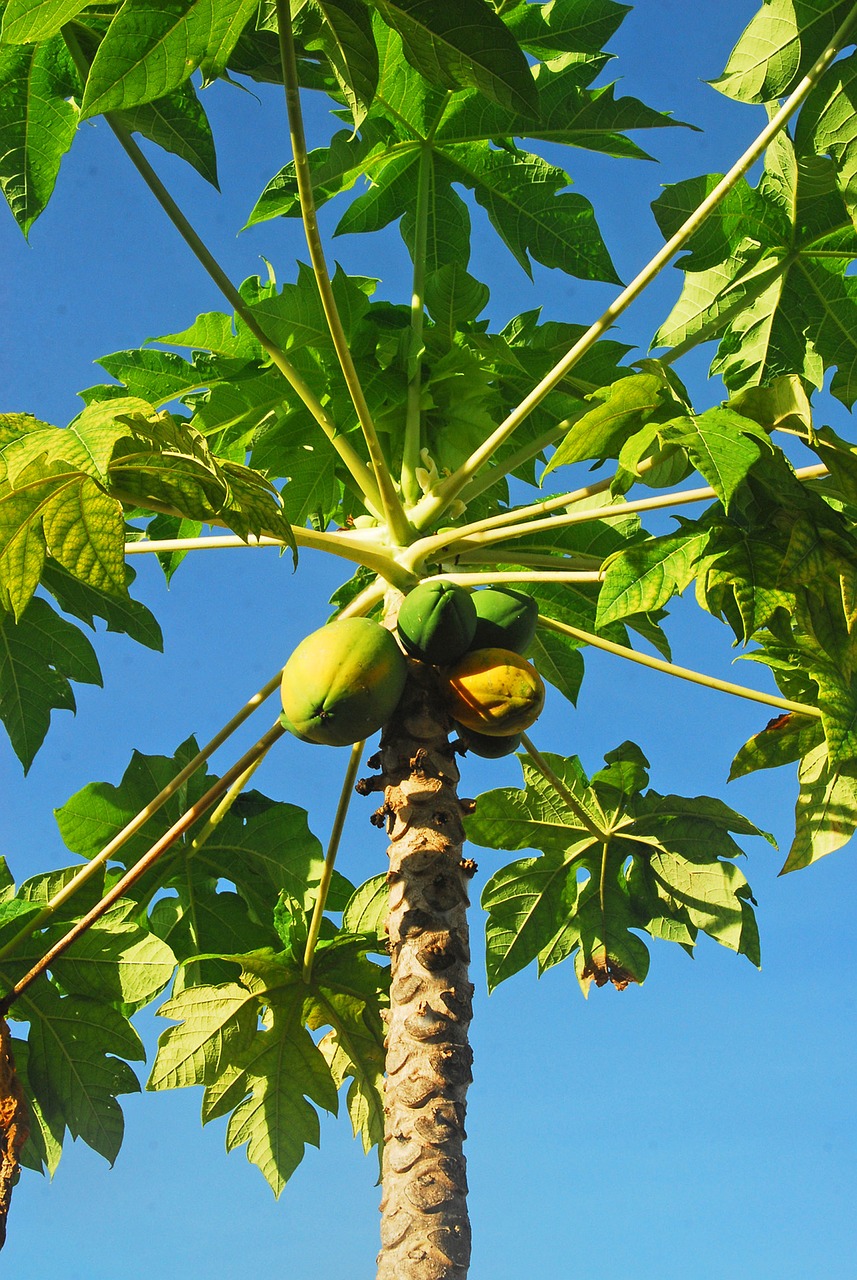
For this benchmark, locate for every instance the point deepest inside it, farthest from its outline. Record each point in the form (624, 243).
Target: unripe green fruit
(343, 682)
(481, 744)
(495, 692)
(505, 619)
(437, 621)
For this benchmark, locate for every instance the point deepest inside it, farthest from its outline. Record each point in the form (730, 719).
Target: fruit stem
(330, 857)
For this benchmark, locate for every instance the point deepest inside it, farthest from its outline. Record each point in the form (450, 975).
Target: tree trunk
(425, 1231)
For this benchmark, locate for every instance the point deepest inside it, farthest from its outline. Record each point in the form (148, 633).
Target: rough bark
(425, 1231)
(14, 1125)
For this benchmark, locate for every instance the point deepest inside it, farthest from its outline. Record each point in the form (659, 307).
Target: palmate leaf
(28, 21)
(149, 50)
(260, 847)
(78, 1064)
(664, 866)
(178, 124)
(40, 654)
(766, 275)
(464, 45)
(778, 47)
(644, 577)
(525, 198)
(825, 813)
(248, 1042)
(37, 123)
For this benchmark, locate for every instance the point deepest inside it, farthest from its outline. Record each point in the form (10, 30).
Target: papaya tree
(503, 500)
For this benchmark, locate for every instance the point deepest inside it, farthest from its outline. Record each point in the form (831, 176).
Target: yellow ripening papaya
(494, 691)
(343, 682)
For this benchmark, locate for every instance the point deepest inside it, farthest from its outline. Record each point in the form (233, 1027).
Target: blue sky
(701, 1125)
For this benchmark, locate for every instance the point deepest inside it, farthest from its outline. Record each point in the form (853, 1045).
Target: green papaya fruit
(505, 619)
(343, 682)
(437, 621)
(481, 744)
(494, 691)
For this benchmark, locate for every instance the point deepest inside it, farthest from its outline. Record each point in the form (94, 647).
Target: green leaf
(178, 124)
(43, 1147)
(825, 813)
(778, 48)
(784, 738)
(228, 21)
(147, 52)
(366, 910)
(559, 661)
(345, 38)
(76, 1064)
(453, 296)
(464, 45)
(116, 961)
(662, 867)
(643, 578)
(827, 125)
(87, 445)
(37, 124)
(767, 269)
(28, 21)
(40, 654)
(620, 411)
(86, 602)
(215, 1023)
(564, 25)
(529, 208)
(348, 995)
(722, 445)
(526, 903)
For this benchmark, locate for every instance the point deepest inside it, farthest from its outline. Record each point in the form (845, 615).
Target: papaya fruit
(436, 622)
(480, 744)
(505, 619)
(343, 682)
(494, 691)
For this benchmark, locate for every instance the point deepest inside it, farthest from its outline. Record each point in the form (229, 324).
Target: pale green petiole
(139, 820)
(330, 857)
(562, 790)
(683, 673)
(394, 513)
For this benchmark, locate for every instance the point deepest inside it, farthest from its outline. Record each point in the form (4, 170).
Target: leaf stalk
(140, 819)
(394, 513)
(142, 865)
(330, 857)
(683, 673)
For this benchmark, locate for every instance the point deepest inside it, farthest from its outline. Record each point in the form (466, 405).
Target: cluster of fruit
(344, 682)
